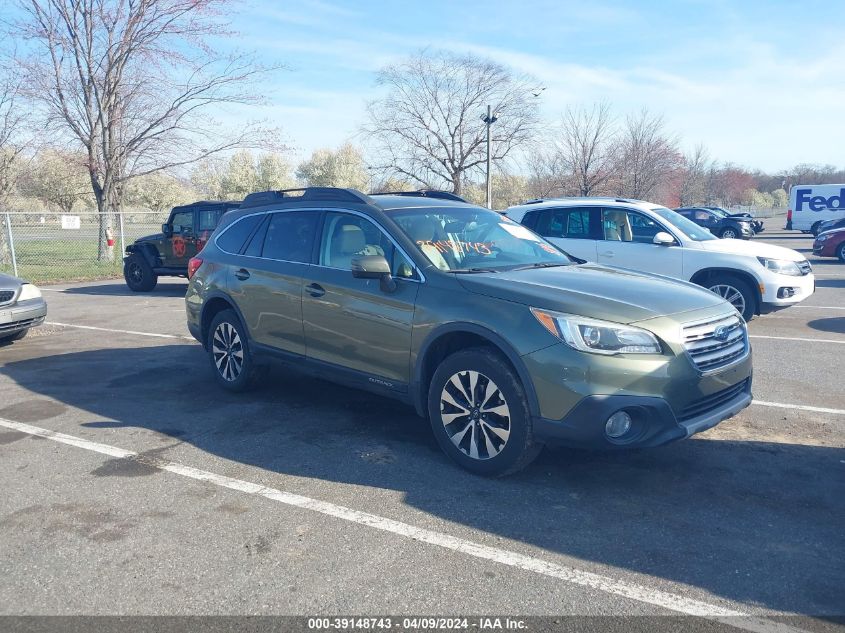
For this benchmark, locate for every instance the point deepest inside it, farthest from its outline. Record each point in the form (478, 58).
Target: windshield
(687, 227)
(475, 240)
(720, 212)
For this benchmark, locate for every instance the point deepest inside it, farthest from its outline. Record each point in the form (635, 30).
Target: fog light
(618, 424)
(786, 293)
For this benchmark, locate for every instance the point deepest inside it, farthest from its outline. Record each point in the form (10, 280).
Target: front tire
(228, 351)
(728, 234)
(736, 292)
(841, 252)
(815, 228)
(479, 413)
(139, 274)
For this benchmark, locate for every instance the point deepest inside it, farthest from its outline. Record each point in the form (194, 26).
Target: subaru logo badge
(721, 333)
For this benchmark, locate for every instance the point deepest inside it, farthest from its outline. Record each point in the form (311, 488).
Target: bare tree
(132, 81)
(428, 126)
(585, 148)
(694, 176)
(13, 124)
(646, 155)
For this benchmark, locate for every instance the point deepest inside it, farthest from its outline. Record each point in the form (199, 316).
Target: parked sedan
(831, 224)
(756, 225)
(720, 225)
(21, 307)
(830, 244)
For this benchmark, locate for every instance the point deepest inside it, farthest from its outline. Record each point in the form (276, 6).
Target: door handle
(315, 290)
(607, 254)
(242, 274)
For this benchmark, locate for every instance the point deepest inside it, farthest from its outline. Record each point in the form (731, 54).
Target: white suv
(643, 236)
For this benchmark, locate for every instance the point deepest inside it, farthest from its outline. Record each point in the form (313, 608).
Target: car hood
(838, 231)
(600, 292)
(150, 238)
(8, 281)
(751, 248)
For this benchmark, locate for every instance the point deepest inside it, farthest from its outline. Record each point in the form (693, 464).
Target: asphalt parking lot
(162, 494)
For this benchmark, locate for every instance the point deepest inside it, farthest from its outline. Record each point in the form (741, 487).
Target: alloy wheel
(731, 294)
(728, 234)
(228, 351)
(475, 414)
(135, 272)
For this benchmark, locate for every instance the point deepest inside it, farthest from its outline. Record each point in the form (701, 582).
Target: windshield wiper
(473, 270)
(543, 265)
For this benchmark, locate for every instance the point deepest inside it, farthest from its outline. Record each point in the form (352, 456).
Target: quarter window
(232, 240)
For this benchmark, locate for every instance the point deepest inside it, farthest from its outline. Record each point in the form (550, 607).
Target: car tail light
(789, 215)
(193, 264)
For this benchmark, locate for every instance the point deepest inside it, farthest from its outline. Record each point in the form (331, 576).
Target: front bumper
(22, 316)
(654, 421)
(802, 288)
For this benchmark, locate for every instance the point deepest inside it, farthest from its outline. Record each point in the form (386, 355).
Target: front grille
(19, 325)
(716, 343)
(805, 267)
(6, 296)
(712, 402)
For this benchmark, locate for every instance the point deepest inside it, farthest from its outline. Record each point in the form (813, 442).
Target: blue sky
(761, 84)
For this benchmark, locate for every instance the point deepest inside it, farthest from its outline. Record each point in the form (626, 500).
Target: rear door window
(571, 223)
(290, 236)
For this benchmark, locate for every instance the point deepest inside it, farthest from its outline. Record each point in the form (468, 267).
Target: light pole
(489, 120)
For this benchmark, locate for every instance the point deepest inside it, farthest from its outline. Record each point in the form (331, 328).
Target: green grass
(51, 261)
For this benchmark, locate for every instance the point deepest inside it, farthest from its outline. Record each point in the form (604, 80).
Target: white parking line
(796, 338)
(655, 597)
(821, 307)
(799, 407)
(105, 329)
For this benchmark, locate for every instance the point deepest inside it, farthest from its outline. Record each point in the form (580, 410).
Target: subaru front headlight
(597, 337)
(780, 266)
(29, 291)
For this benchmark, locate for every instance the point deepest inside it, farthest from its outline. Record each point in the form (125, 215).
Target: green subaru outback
(504, 342)
(168, 253)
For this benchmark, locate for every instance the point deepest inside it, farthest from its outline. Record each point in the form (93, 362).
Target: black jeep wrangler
(167, 253)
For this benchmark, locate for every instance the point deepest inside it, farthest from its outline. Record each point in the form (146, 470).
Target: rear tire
(479, 413)
(815, 228)
(228, 352)
(11, 338)
(737, 292)
(841, 252)
(139, 274)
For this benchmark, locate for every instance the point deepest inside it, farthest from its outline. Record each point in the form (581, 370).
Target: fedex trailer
(810, 205)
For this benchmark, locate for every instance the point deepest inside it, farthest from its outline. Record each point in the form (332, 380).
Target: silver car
(21, 307)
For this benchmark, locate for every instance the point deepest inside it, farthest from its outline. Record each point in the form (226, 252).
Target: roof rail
(423, 193)
(304, 194)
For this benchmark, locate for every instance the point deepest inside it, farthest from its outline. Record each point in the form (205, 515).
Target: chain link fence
(45, 247)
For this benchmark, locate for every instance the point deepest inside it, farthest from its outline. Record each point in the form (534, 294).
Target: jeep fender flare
(419, 386)
(147, 251)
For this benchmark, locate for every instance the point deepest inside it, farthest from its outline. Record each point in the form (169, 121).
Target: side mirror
(374, 267)
(663, 239)
(167, 230)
